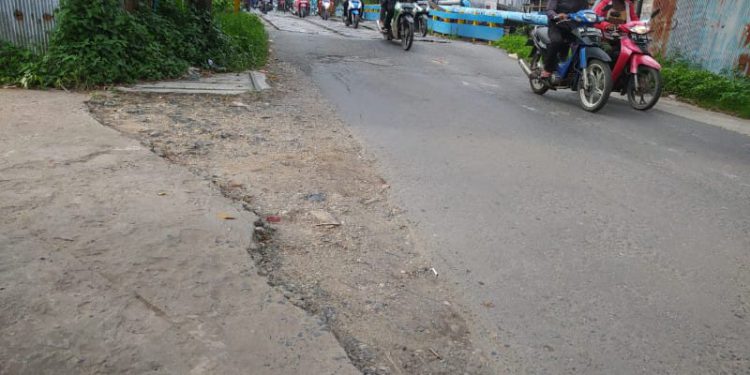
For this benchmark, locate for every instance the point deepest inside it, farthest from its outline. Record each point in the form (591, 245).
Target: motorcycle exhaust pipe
(525, 67)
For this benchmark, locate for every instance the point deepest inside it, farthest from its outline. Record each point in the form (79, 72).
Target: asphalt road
(610, 243)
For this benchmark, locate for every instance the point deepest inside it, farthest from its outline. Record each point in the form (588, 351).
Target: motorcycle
(635, 72)
(402, 24)
(586, 70)
(353, 13)
(301, 8)
(326, 8)
(421, 16)
(265, 6)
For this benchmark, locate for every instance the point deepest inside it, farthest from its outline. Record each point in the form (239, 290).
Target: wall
(27, 22)
(712, 33)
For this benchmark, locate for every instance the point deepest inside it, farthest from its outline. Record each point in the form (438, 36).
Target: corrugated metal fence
(27, 22)
(712, 33)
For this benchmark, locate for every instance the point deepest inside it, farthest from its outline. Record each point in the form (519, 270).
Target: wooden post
(236, 6)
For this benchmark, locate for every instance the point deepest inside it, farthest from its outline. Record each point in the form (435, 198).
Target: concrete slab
(112, 260)
(217, 84)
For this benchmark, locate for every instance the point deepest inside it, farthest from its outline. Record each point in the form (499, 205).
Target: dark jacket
(565, 6)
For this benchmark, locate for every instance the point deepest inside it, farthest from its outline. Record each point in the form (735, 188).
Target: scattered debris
(488, 304)
(324, 217)
(161, 193)
(315, 197)
(440, 358)
(226, 216)
(239, 104)
(328, 224)
(434, 271)
(273, 219)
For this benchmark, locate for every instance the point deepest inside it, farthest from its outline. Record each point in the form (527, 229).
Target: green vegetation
(104, 45)
(730, 93)
(14, 62)
(248, 38)
(514, 43)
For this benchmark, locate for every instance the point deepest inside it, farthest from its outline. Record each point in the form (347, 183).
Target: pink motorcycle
(635, 72)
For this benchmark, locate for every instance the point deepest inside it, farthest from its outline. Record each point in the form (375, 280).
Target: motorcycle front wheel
(407, 34)
(356, 22)
(649, 89)
(595, 93)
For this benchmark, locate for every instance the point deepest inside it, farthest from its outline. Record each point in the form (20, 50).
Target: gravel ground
(332, 241)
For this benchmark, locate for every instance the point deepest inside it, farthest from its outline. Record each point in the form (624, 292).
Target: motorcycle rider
(386, 14)
(559, 34)
(616, 12)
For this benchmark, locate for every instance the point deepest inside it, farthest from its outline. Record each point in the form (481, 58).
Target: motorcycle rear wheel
(595, 96)
(649, 83)
(407, 34)
(537, 86)
(423, 26)
(356, 22)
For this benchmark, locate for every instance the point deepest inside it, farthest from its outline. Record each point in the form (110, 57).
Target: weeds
(514, 43)
(727, 93)
(249, 39)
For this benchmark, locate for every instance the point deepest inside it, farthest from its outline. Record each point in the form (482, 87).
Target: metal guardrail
(472, 23)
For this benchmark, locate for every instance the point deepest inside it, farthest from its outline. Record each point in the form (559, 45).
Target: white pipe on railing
(531, 18)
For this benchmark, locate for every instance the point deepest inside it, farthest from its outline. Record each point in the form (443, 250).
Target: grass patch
(248, 37)
(14, 61)
(514, 43)
(726, 93)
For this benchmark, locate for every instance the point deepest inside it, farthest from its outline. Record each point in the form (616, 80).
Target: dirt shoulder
(115, 261)
(335, 246)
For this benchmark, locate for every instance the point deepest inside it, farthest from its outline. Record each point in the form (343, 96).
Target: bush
(102, 44)
(514, 43)
(14, 61)
(249, 40)
(730, 93)
(98, 43)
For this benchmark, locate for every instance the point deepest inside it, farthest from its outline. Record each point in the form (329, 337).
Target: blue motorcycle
(353, 13)
(586, 70)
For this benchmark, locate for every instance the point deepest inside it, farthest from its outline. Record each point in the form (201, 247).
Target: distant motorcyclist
(559, 34)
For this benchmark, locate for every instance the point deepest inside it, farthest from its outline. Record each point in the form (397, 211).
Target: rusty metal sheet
(714, 34)
(27, 22)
